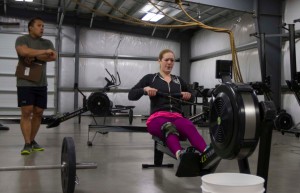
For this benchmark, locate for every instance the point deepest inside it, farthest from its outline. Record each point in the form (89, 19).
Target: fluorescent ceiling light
(147, 8)
(148, 16)
(152, 17)
(157, 17)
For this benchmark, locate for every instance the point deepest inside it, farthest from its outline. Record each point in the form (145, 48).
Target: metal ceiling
(104, 13)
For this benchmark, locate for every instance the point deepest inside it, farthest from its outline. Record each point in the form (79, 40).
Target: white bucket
(204, 190)
(232, 183)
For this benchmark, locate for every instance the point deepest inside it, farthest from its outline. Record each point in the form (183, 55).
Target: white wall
(203, 71)
(208, 42)
(205, 41)
(92, 69)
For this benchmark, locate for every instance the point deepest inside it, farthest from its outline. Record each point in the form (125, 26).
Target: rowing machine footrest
(160, 149)
(194, 164)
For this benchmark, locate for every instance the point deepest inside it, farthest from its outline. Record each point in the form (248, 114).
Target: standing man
(33, 50)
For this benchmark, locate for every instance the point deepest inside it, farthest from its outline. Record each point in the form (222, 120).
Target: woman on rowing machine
(166, 120)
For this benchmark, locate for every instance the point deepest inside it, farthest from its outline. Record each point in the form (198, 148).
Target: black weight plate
(68, 159)
(99, 104)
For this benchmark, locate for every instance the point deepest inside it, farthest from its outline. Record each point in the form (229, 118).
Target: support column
(185, 61)
(269, 20)
(185, 55)
(76, 78)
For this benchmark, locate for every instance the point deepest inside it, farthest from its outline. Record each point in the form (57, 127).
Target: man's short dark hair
(32, 21)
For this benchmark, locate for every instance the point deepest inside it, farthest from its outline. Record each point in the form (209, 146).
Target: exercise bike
(97, 103)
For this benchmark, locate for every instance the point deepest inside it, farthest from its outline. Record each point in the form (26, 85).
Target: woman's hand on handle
(186, 96)
(150, 91)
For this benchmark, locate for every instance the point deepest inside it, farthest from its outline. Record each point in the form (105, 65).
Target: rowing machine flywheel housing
(234, 120)
(99, 104)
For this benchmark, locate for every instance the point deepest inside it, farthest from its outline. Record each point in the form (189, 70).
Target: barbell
(68, 166)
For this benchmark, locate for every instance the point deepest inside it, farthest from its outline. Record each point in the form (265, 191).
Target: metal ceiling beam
(118, 5)
(208, 19)
(4, 7)
(61, 18)
(77, 7)
(68, 4)
(92, 19)
(62, 10)
(182, 13)
(59, 3)
(43, 5)
(97, 5)
(82, 21)
(244, 5)
(27, 14)
(136, 8)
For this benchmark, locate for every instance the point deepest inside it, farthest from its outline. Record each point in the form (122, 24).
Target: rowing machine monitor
(224, 70)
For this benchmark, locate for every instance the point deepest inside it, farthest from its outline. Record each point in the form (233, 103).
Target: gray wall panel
(8, 83)
(66, 102)
(205, 41)
(67, 72)
(8, 66)
(7, 46)
(111, 43)
(291, 12)
(68, 39)
(204, 71)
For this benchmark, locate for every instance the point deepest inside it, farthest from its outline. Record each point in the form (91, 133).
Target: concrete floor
(120, 156)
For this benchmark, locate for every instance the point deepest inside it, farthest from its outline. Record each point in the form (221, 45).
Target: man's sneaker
(27, 149)
(36, 146)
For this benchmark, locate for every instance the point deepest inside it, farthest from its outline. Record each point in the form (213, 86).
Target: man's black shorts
(36, 96)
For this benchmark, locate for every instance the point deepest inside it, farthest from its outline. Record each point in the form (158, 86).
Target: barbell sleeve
(87, 165)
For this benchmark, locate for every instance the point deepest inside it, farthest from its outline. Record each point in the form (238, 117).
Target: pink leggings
(185, 128)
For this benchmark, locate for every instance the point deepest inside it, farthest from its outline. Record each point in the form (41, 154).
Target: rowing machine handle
(158, 93)
(176, 95)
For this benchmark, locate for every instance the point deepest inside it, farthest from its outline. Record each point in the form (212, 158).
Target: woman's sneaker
(27, 149)
(36, 147)
(189, 163)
